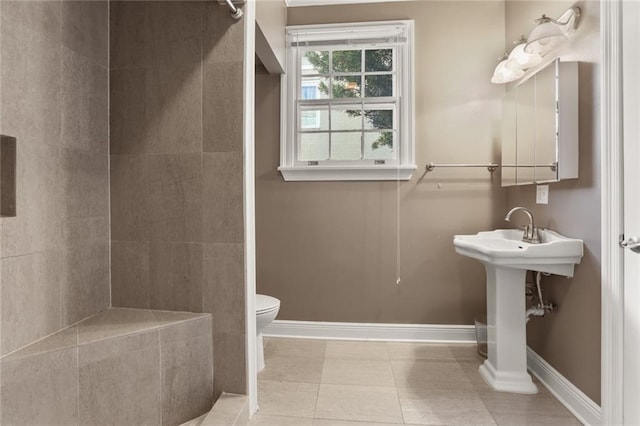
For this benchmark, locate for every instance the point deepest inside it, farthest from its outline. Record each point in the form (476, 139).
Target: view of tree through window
(359, 74)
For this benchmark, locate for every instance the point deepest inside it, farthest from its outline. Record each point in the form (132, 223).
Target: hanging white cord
(398, 267)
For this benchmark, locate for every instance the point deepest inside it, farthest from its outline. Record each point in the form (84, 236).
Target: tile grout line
(395, 384)
(315, 408)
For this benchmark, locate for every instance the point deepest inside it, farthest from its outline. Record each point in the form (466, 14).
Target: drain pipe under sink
(541, 308)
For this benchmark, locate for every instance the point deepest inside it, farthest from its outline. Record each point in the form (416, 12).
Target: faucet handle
(531, 235)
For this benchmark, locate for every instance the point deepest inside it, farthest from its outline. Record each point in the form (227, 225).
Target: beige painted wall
(569, 338)
(176, 168)
(328, 249)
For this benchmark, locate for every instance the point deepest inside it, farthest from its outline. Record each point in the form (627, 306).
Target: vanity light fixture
(524, 59)
(545, 37)
(551, 33)
(507, 71)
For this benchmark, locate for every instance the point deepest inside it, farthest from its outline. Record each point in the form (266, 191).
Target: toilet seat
(265, 304)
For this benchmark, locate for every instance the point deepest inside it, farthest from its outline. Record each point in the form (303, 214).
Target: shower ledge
(122, 365)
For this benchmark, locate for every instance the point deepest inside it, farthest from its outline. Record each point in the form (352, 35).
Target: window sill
(335, 173)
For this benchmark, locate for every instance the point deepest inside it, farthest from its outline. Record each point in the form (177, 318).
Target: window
(310, 119)
(348, 102)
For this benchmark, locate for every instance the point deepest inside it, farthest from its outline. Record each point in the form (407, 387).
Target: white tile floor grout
(343, 383)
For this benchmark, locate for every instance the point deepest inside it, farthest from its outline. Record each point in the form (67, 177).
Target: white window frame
(334, 170)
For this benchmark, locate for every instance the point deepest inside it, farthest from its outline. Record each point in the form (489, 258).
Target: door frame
(249, 195)
(612, 273)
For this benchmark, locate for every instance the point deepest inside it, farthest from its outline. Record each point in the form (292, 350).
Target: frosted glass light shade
(544, 38)
(523, 59)
(506, 71)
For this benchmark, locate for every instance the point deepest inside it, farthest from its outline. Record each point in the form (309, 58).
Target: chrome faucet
(531, 234)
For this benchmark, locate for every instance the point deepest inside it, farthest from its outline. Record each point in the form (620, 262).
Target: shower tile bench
(120, 367)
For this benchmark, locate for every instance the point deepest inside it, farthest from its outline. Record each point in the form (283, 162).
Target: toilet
(267, 308)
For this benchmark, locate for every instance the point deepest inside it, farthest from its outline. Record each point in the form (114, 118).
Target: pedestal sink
(506, 259)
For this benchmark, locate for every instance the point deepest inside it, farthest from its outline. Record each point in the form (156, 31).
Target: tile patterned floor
(343, 383)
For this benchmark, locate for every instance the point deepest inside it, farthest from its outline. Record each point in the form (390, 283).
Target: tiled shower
(128, 121)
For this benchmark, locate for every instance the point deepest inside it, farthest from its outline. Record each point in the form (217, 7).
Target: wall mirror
(540, 127)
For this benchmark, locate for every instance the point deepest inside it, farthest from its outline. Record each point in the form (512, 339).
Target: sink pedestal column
(506, 366)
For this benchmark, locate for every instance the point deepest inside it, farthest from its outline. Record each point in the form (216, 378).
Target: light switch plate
(542, 194)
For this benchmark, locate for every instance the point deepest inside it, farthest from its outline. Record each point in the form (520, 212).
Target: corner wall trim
(580, 405)
(371, 331)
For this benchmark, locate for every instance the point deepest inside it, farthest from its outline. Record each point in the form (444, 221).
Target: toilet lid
(266, 303)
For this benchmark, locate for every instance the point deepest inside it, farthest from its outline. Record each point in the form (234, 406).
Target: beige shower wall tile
(30, 78)
(130, 285)
(174, 109)
(130, 34)
(40, 388)
(223, 36)
(30, 287)
(78, 231)
(156, 110)
(85, 183)
(155, 33)
(229, 361)
(66, 338)
(178, 326)
(175, 197)
(120, 381)
(223, 199)
(175, 276)
(129, 198)
(223, 107)
(128, 110)
(85, 285)
(224, 295)
(187, 372)
(113, 323)
(37, 225)
(84, 103)
(85, 29)
(42, 17)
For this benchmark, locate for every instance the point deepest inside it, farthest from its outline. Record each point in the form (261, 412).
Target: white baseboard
(371, 331)
(587, 411)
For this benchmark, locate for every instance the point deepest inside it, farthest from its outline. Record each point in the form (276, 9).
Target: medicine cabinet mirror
(540, 127)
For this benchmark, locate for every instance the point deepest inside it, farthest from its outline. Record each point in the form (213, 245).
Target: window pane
(315, 62)
(346, 119)
(378, 119)
(314, 88)
(347, 61)
(314, 118)
(378, 85)
(347, 86)
(313, 146)
(378, 60)
(379, 146)
(346, 146)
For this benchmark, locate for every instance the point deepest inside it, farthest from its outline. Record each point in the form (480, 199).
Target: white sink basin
(506, 259)
(555, 254)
